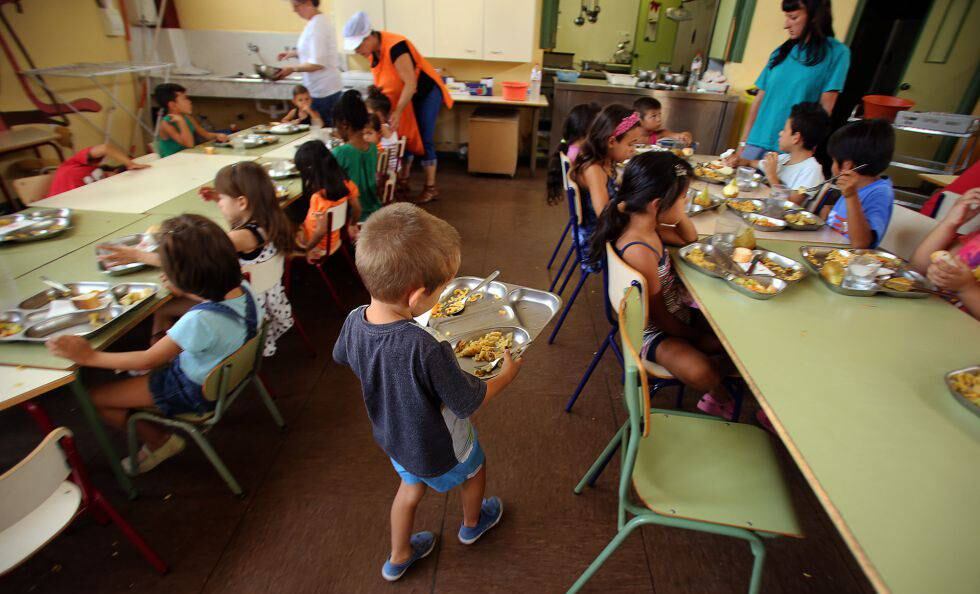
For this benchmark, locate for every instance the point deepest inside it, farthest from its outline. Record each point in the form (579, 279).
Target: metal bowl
(266, 72)
(766, 281)
(763, 223)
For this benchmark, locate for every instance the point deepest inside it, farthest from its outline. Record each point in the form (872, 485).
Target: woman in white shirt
(317, 53)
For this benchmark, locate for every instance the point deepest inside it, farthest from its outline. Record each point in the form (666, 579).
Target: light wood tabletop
(20, 384)
(939, 179)
(854, 387)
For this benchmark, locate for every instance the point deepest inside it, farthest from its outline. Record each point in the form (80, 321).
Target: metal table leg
(85, 403)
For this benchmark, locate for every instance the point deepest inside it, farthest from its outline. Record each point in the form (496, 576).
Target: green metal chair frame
(645, 422)
(223, 386)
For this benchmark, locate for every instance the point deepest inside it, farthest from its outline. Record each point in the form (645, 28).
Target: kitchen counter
(708, 116)
(247, 87)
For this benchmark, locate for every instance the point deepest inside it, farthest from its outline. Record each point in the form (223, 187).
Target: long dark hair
(319, 170)
(576, 127)
(198, 257)
(648, 177)
(813, 41)
(251, 180)
(595, 149)
(350, 115)
(378, 102)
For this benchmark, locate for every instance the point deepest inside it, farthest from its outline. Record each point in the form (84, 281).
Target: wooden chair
(264, 276)
(223, 386)
(31, 189)
(692, 471)
(905, 232)
(45, 492)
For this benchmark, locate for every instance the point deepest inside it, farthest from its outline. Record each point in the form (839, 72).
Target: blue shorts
(753, 153)
(463, 471)
(174, 393)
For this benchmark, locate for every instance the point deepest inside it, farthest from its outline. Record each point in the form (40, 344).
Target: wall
(723, 28)
(595, 41)
(651, 53)
(76, 35)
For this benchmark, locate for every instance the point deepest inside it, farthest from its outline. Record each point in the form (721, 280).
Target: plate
(38, 229)
(281, 169)
(762, 222)
(467, 364)
(143, 240)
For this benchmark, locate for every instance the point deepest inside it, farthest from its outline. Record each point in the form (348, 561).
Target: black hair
(811, 122)
(595, 149)
(374, 122)
(576, 126)
(319, 170)
(249, 179)
(813, 40)
(164, 93)
(300, 90)
(648, 177)
(645, 104)
(866, 142)
(183, 240)
(378, 102)
(350, 112)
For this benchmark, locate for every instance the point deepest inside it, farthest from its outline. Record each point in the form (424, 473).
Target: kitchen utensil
(492, 366)
(476, 290)
(255, 50)
(266, 72)
(56, 285)
(827, 181)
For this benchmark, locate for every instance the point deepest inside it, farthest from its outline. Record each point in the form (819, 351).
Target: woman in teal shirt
(810, 66)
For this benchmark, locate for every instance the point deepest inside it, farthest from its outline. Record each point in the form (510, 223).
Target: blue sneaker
(490, 513)
(422, 544)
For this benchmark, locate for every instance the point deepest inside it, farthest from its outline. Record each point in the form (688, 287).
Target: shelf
(922, 165)
(98, 69)
(924, 130)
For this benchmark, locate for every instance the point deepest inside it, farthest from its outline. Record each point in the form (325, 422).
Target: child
(797, 167)
(864, 210)
(652, 122)
(225, 317)
(648, 213)
(179, 129)
(379, 105)
(86, 166)
(418, 399)
(357, 156)
(325, 185)
(302, 111)
(372, 133)
(956, 270)
(572, 137)
(611, 140)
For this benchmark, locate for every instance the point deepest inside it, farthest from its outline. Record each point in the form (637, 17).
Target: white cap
(357, 28)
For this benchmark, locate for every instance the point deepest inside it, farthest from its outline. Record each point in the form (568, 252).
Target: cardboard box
(494, 141)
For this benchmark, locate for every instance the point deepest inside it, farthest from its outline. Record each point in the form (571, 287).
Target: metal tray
(775, 207)
(696, 209)
(806, 227)
(900, 267)
(288, 128)
(282, 169)
(42, 299)
(250, 140)
(79, 323)
(128, 240)
(521, 340)
(685, 251)
(913, 276)
(757, 220)
(50, 213)
(971, 406)
(763, 280)
(782, 261)
(757, 204)
(534, 308)
(42, 228)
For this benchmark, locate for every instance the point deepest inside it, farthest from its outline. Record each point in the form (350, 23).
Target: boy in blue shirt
(418, 399)
(863, 211)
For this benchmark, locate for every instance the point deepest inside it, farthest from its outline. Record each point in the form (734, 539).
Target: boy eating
(179, 129)
(861, 151)
(417, 397)
(651, 120)
(302, 111)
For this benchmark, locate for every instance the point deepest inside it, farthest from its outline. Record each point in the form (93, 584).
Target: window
(728, 42)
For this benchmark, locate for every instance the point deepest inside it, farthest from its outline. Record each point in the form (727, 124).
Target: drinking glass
(238, 144)
(861, 273)
(744, 177)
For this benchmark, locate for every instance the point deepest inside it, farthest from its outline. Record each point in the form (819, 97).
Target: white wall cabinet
(508, 30)
(413, 19)
(460, 27)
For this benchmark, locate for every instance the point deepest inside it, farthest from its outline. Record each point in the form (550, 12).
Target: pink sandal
(709, 406)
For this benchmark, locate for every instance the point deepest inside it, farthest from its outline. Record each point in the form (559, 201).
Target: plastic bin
(515, 91)
(884, 106)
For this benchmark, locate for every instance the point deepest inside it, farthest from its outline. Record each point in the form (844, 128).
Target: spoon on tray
(455, 305)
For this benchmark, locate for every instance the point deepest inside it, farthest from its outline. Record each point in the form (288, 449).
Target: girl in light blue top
(809, 66)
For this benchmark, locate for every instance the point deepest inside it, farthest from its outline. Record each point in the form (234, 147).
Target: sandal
(148, 459)
(710, 406)
(428, 194)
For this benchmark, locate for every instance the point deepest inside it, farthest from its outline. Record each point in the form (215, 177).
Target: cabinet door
(508, 30)
(345, 9)
(460, 27)
(414, 20)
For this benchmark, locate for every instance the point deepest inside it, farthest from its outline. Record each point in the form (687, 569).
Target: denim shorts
(462, 472)
(753, 153)
(175, 394)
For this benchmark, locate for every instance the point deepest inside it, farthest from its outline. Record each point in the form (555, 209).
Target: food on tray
(90, 300)
(488, 347)
(967, 385)
(782, 272)
(135, 296)
(97, 319)
(9, 329)
(703, 199)
(743, 205)
(754, 285)
(841, 257)
(698, 258)
(687, 152)
(731, 190)
(833, 272)
(943, 256)
(801, 190)
(760, 222)
(454, 303)
(152, 230)
(745, 238)
(742, 255)
(900, 283)
(800, 218)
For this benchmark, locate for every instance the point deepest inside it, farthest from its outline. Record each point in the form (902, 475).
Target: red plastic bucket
(515, 91)
(885, 107)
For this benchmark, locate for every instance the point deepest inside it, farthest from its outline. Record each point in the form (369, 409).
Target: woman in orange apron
(415, 90)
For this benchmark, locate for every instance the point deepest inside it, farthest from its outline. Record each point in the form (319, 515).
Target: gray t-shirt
(417, 397)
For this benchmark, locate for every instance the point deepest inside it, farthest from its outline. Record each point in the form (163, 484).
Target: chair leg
(304, 336)
(564, 234)
(568, 277)
(758, 559)
(130, 533)
(588, 372)
(606, 553)
(600, 463)
(350, 262)
(131, 442)
(212, 457)
(269, 403)
(568, 307)
(330, 287)
(736, 391)
(561, 269)
(618, 352)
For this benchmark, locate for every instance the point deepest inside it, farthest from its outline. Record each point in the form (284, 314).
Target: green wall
(649, 54)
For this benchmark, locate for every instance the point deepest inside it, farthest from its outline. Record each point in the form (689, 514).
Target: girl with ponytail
(573, 136)
(648, 213)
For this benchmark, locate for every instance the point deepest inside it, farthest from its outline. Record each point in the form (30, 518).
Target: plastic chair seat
(28, 535)
(657, 371)
(713, 471)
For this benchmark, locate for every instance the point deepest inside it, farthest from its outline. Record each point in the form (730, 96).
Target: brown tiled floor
(315, 515)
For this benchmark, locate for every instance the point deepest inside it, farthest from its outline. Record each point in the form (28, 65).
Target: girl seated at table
(226, 315)
(952, 261)
(259, 231)
(647, 214)
(573, 135)
(325, 185)
(357, 156)
(611, 140)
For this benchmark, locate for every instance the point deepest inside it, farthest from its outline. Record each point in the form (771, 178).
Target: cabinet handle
(496, 51)
(472, 51)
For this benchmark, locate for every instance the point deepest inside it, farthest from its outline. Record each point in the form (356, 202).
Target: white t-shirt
(805, 174)
(318, 45)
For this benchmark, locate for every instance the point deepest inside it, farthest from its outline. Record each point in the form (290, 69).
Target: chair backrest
(337, 216)
(230, 377)
(34, 188)
(947, 200)
(566, 168)
(383, 157)
(620, 276)
(906, 230)
(265, 275)
(28, 484)
(636, 388)
(388, 194)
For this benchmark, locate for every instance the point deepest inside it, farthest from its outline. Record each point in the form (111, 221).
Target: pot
(266, 71)
(646, 75)
(675, 78)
